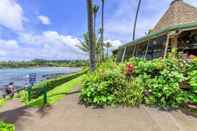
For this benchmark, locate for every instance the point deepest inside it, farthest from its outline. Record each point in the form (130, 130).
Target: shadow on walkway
(43, 111)
(14, 115)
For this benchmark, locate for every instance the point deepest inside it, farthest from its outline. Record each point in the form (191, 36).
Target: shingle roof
(179, 12)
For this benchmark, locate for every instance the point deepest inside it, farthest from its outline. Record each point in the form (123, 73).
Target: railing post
(29, 90)
(45, 99)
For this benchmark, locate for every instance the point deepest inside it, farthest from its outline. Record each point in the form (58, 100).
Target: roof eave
(160, 33)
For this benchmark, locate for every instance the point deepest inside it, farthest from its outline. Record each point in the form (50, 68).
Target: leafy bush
(98, 86)
(192, 80)
(109, 86)
(131, 94)
(161, 82)
(6, 126)
(157, 82)
(48, 85)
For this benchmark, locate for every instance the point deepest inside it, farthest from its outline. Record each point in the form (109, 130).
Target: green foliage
(158, 82)
(2, 102)
(192, 80)
(22, 96)
(38, 89)
(161, 82)
(131, 94)
(6, 126)
(98, 86)
(109, 86)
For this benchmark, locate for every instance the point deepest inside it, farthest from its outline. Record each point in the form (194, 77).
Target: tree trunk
(136, 18)
(135, 23)
(92, 52)
(102, 30)
(95, 23)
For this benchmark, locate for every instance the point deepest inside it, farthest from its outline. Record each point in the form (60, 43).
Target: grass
(57, 93)
(2, 102)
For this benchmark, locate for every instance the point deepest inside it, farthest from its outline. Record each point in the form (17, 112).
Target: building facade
(177, 28)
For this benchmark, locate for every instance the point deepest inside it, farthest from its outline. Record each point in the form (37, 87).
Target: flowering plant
(129, 70)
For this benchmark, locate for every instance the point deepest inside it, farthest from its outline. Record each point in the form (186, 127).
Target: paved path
(68, 115)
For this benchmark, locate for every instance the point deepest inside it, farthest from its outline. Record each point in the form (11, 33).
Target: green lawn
(2, 102)
(57, 93)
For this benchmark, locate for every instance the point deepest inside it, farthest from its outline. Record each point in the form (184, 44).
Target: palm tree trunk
(135, 23)
(92, 53)
(95, 23)
(102, 30)
(107, 52)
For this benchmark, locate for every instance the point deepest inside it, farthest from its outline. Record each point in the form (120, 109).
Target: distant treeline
(43, 63)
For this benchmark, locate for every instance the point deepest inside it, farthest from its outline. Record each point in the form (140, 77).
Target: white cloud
(115, 43)
(47, 45)
(44, 20)
(11, 15)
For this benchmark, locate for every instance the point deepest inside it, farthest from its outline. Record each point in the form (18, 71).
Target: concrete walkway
(68, 115)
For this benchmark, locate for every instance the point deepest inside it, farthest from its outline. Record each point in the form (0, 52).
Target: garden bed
(166, 83)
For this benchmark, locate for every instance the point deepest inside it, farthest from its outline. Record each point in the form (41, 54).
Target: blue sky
(51, 29)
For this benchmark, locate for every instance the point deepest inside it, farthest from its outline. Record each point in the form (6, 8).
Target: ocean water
(20, 75)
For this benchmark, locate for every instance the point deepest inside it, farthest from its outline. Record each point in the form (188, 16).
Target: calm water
(20, 75)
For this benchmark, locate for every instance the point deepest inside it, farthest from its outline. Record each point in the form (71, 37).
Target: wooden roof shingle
(178, 13)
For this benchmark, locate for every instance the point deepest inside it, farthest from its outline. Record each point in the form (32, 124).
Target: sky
(52, 29)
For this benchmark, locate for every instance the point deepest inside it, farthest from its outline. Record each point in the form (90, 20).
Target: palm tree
(135, 23)
(102, 29)
(84, 45)
(95, 10)
(108, 45)
(91, 44)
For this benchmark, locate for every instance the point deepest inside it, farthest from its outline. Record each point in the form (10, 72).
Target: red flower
(129, 69)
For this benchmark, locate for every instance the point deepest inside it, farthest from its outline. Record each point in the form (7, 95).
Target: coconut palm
(92, 53)
(84, 45)
(108, 45)
(135, 23)
(95, 10)
(102, 29)
(136, 18)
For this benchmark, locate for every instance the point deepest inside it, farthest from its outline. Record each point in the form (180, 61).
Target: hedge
(6, 126)
(37, 89)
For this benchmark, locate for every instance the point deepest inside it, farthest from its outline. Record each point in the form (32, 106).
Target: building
(177, 28)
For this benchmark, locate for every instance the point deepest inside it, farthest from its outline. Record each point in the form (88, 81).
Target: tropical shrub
(158, 82)
(131, 94)
(192, 80)
(109, 86)
(6, 126)
(98, 86)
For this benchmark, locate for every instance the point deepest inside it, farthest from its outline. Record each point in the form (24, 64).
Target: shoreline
(41, 67)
